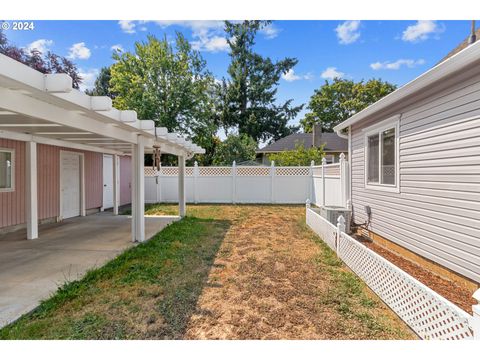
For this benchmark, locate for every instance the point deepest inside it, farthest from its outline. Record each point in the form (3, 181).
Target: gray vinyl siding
(437, 212)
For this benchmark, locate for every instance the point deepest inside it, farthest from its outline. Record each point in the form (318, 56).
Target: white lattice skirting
(430, 315)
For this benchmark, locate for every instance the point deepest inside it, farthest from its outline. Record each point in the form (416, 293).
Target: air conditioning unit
(331, 213)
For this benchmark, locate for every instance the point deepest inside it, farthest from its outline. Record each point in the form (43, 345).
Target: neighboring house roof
(332, 141)
(469, 56)
(464, 44)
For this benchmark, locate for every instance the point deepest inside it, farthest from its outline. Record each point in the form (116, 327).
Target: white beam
(181, 186)
(48, 141)
(28, 106)
(139, 190)
(116, 184)
(100, 103)
(31, 205)
(57, 83)
(134, 191)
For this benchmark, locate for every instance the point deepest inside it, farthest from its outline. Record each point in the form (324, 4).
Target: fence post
(272, 178)
(343, 179)
(340, 229)
(475, 320)
(311, 181)
(158, 187)
(195, 176)
(234, 182)
(324, 162)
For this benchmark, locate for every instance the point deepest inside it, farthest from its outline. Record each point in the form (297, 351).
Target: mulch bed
(452, 291)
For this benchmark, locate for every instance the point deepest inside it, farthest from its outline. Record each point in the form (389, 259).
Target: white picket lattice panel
(150, 172)
(292, 171)
(189, 171)
(253, 171)
(215, 171)
(430, 315)
(169, 171)
(322, 227)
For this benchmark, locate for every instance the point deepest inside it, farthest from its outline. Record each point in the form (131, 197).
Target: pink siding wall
(93, 180)
(125, 180)
(12, 203)
(48, 184)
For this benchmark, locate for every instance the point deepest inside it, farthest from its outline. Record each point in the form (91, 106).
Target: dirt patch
(270, 281)
(450, 290)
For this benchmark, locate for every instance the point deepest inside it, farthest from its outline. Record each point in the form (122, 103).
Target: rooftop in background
(333, 142)
(461, 46)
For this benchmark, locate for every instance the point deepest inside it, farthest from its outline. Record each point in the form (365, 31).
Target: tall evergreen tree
(251, 90)
(102, 84)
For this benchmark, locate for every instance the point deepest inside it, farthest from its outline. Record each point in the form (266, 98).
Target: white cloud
(210, 43)
(421, 30)
(117, 47)
(79, 51)
(386, 65)
(41, 45)
(207, 34)
(291, 76)
(88, 78)
(127, 26)
(332, 73)
(270, 31)
(348, 32)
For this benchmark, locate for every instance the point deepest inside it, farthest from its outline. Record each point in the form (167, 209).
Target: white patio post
(195, 179)
(133, 189)
(475, 320)
(116, 184)
(234, 182)
(324, 162)
(343, 180)
(31, 190)
(181, 186)
(138, 190)
(272, 182)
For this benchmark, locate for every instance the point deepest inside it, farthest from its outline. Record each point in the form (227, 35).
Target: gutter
(457, 62)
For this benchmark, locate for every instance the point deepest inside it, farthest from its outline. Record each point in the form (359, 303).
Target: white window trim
(12, 187)
(394, 122)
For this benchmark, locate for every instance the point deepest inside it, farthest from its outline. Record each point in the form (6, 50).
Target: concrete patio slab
(31, 270)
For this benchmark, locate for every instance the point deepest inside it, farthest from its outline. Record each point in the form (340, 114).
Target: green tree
(250, 105)
(102, 84)
(336, 101)
(168, 84)
(235, 147)
(300, 156)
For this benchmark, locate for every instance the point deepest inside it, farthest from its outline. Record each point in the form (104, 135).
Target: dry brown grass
(273, 279)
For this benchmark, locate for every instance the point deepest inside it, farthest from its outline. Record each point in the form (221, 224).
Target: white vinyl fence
(430, 315)
(248, 184)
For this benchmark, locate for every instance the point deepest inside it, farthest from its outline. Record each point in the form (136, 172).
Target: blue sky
(396, 51)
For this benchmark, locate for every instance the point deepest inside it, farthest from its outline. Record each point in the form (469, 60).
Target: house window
(7, 160)
(381, 162)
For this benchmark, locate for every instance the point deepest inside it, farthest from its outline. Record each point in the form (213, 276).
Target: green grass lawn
(147, 292)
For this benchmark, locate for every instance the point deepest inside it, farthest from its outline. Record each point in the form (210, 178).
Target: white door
(70, 184)
(107, 181)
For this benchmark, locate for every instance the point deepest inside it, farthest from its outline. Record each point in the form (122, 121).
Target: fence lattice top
(292, 171)
(238, 171)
